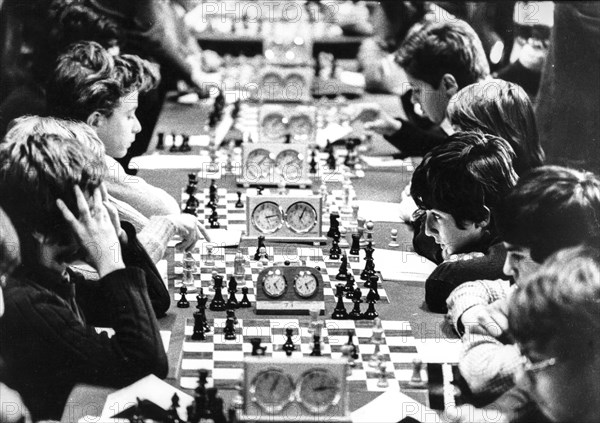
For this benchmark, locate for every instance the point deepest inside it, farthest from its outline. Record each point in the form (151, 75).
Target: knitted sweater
(48, 341)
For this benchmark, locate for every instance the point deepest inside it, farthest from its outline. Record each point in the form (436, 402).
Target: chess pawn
(343, 241)
(347, 353)
(189, 268)
(361, 230)
(349, 287)
(334, 251)
(339, 313)
(239, 204)
(209, 259)
(198, 334)
(160, 144)
(289, 346)
(183, 302)
(245, 302)
(314, 319)
(261, 243)
(370, 313)
(239, 268)
(355, 248)
(394, 242)
(369, 227)
(416, 381)
(343, 270)
(218, 302)
(382, 382)
(263, 256)
(355, 314)
(232, 301)
(355, 208)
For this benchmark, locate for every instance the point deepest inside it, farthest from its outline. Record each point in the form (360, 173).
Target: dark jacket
(47, 335)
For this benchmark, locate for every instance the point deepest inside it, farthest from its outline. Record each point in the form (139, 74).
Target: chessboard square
(364, 333)
(198, 346)
(195, 364)
(336, 342)
(396, 325)
(403, 359)
(340, 324)
(228, 356)
(357, 374)
(405, 349)
(393, 385)
(400, 341)
(406, 374)
(221, 345)
(281, 354)
(227, 374)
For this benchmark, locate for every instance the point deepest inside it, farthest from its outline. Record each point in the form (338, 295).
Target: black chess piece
(355, 247)
(213, 219)
(245, 303)
(370, 313)
(355, 314)
(172, 414)
(261, 243)
(313, 162)
(331, 162)
(343, 270)
(197, 409)
(192, 184)
(369, 269)
(191, 206)
(183, 302)
(201, 301)
(257, 348)
(354, 353)
(174, 147)
(237, 106)
(339, 313)
(259, 190)
(349, 287)
(334, 225)
(215, 405)
(160, 144)
(229, 330)
(288, 138)
(335, 250)
(316, 344)
(198, 334)
(217, 303)
(232, 301)
(238, 203)
(185, 144)
(289, 346)
(374, 279)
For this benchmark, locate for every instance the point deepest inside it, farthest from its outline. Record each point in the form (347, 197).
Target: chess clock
(295, 390)
(291, 50)
(289, 289)
(278, 121)
(273, 164)
(294, 217)
(283, 84)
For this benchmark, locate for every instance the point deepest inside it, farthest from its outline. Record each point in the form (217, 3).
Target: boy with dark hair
(550, 208)
(47, 338)
(457, 187)
(439, 59)
(554, 320)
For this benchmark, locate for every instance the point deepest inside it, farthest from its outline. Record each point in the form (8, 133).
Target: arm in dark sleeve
(134, 254)
(414, 141)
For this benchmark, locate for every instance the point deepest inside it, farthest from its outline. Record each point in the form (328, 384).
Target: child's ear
(450, 85)
(486, 221)
(95, 119)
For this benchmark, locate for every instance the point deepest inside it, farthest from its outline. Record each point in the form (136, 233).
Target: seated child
(503, 109)
(457, 187)
(51, 189)
(550, 208)
(553, 318)
(154, 233)
(439, 59)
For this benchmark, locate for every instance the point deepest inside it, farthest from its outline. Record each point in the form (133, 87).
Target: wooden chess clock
(274, 164)
(295, 390)
(283, 84)
(285, 218)
(289, 289)
(278, 122)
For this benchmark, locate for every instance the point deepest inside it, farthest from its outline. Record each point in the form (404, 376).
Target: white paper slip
(149, 388)
(402, 266)
(168, 161)
(387, 162)
(439, 350)
(165, 336)
(393, 406)
(379, 211)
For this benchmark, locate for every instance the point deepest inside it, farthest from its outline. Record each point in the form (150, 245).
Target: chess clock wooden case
(285, 218)
(295, 390)
(272, 164)
(283, 84)
(276, 121)
(289, 289)
(288, 49)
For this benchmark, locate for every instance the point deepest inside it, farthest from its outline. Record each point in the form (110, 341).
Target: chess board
(223, 265)
(224, 358)
(233, 218)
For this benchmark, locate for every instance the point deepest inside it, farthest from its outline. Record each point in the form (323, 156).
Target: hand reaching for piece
(188, 229)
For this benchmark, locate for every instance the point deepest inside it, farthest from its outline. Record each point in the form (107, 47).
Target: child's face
(118, 130)
(433, 101)
(518, 262)
(453, 240)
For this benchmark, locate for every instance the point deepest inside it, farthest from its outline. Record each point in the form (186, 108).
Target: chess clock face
(272, 79)
(289, 164)
(318, 390)
(259, 163)
(301, 217)
(274, 126)
(305, 284)
(274, 284)
(267, 217)
(301, 127)
(272, 390)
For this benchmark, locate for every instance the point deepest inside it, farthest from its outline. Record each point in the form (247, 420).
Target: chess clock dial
(274, 284)
(274, 126)
(301, 127)
(272, 79)
(305, 284)
(301, 217)
(318, 390)
(289, 163)
(296, 81)
(267, 217)
(259, 164)
(272, 390)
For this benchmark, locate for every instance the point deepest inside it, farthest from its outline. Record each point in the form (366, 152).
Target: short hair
(34, 173)
(551, 208)
(560, 301)
(503, 109)
(88, 79)
(440, 48)
(463, 176)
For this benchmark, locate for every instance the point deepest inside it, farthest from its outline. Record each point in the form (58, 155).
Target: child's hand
(384, 124)
(10, 250)
(114, 214)
(188, 229)
(487, 320)
(95, 232)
